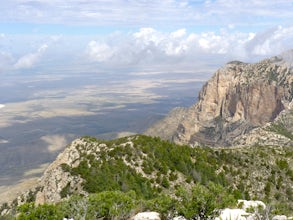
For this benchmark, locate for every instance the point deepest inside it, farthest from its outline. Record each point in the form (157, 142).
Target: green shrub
(282, 164)
(29, 211)
(163, 204)
(203, 201)
(111, 205)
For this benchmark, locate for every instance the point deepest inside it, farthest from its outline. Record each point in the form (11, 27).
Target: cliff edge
(239, 98)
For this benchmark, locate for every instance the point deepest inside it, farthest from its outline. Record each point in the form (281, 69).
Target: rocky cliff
(242, 105)
(239, 98)
(56, 179)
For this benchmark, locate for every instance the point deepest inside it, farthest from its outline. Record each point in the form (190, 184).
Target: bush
(282, 164)
(29, 211)
(203, 201)
(111, 205)
(163, 204)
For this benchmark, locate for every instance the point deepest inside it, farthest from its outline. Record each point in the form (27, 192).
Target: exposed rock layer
(237, 99)
(55, 179)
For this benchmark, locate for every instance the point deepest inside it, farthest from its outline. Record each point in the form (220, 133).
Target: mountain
(183, 167)
(239, 98)
(159, 176)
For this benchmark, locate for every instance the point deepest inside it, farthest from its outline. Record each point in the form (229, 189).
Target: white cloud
(28, 60)
(207, 31)
(99, 51)
(101, 12)
(148, 13)
(147, 36)
(150, 47)
(272, 41)
(179, 33)
(144, 49)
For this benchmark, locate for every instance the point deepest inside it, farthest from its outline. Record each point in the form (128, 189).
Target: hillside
(149, 170)
(239, 98)
(234, 143)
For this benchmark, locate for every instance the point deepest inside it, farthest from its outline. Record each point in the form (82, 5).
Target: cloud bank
(182, 34)
(149, 46)
(149, 13)
(144, 49)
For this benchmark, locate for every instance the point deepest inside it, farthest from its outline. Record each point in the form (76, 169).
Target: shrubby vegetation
(281, 129)
(141, 173)
(203, 201)
(197, 202)
(160, 161)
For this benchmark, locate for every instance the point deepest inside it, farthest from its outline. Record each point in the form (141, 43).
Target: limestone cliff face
(237, 99)
(55, 179)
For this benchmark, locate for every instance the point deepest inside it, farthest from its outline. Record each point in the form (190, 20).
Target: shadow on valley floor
(29, 145)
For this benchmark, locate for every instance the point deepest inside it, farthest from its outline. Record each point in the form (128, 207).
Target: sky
(142, 35)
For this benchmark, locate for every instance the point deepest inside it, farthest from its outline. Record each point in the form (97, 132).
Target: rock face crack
(237, 99)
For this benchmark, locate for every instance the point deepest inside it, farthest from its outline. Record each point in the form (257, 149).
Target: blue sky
(142, 34)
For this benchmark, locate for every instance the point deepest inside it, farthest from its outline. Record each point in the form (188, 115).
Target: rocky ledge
(239, 98)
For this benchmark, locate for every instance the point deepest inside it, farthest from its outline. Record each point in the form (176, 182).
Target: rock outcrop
(247, 210)
(55, 179)
(237, 99)
(131, 167)
(146, 216)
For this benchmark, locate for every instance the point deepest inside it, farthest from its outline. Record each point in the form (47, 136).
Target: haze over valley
(113, 68)
(42, 114)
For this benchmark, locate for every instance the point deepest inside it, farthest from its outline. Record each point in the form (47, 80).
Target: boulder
(146, 216)
(179, 218)
(251, 204)
(233, 214)
(279, 217)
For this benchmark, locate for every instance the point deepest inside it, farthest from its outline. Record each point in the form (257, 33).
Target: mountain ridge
(235, 142)
(151, 168)
(237, 99)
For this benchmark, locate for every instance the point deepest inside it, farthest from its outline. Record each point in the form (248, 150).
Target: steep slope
(151, 168)
(237, 99)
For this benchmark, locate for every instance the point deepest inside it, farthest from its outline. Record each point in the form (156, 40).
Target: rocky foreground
(141, 173)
